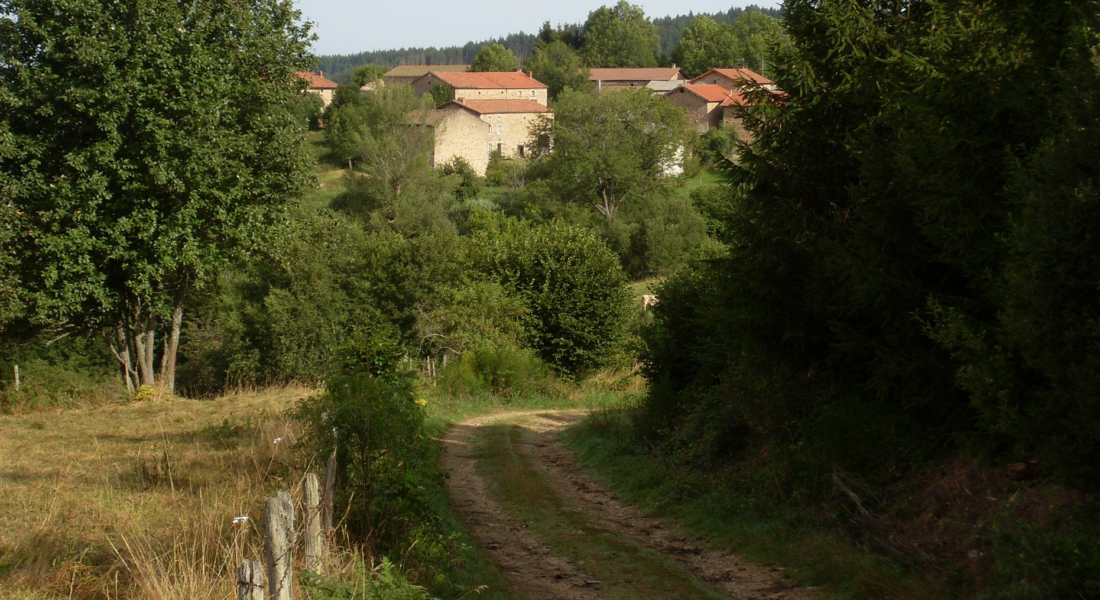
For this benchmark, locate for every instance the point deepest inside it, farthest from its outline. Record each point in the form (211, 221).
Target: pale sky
(351, 26)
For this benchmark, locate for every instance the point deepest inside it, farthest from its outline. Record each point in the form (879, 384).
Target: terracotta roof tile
(493, 107)
(645, 74)
(715, 93)
(738, 74)
(418, 70)
(316, 81)
(489, 80)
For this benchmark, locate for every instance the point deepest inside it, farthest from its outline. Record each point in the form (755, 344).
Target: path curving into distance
(556, 534)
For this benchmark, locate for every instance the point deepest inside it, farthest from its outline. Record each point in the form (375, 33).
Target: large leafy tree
(613, 148)
(494, 57)
(148, 142)
(385, 138)
(620, 36)
(368, 73)
(558, 66)
(757, 34)
(706, 45)
(914, 237)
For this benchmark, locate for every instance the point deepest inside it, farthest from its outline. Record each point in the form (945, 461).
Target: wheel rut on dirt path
(555, 533)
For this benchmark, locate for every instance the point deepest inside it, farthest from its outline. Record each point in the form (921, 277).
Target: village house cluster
(494, 112)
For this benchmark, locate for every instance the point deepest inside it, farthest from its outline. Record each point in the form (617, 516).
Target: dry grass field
(138, 500)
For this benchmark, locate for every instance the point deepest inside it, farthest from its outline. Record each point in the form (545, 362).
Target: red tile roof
(643, 74)
(316, 81)
(488, 80)
(494, 107)
(715, 93)
(737, 75)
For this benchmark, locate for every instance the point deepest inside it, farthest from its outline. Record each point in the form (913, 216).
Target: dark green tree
(757, 33)
(610, 149)
(147, 144)
(558, 66)
(368, 73)
(908, 243)
(494, 57)
(620, 36)
(569, 282)
(706, 45)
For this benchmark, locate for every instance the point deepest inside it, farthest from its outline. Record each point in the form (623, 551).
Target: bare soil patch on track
(555, 533)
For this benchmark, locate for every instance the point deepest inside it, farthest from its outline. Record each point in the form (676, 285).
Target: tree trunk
(171, 348)
(122, 354)
(150, 375)
(144, 338)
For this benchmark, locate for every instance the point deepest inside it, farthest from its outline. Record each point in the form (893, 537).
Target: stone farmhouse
(734, 79)
(707, 105)
(605, 79)
(493, 85)
(472, 129)
(410, 73)
(319, 85)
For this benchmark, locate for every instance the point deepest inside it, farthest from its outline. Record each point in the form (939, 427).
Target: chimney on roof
(673, 65)
(320, 73)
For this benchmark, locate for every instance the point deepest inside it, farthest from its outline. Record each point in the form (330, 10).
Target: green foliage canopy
(145, 144)
(706, 45)
(384, 135)
(558, 66)
(569, 281)
(494, 57)
(620, 36)
(613, 148)
(909, 246)
(364, 74)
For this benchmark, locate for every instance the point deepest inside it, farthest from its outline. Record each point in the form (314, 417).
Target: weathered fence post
(17, 378)
(250, 580)
(312, 510)
(330, 490)
(278, 545)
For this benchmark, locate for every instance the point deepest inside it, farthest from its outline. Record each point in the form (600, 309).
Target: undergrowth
(955, 530)
(722, 507)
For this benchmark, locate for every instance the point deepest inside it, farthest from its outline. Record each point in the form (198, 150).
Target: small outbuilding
(319, 85)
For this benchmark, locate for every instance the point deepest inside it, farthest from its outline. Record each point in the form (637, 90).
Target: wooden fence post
(17, 385)
(312, 509)
(278, 545)
(250, 580)
(330, 491)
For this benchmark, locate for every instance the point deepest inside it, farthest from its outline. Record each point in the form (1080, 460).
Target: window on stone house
(500, 129)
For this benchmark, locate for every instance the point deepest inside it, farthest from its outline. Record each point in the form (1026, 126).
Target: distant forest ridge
(338, 67)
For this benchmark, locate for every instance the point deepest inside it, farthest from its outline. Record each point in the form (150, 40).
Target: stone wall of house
(717, 79)
(326, 95)
(701, 114)
(424, 85)
(397, 80)
(729, 115)
(511, 133)
(460, 133)
(536, 94)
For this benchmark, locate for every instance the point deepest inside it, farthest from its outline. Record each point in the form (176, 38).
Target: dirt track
(541, 568)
